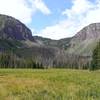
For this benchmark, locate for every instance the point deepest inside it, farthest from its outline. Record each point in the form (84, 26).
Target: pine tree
(95, 64)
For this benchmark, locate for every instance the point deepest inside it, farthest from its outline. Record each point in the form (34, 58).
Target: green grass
(50, 84)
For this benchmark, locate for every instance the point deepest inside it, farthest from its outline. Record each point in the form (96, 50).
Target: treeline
(48, 60)
(73, 62)
(10, 60)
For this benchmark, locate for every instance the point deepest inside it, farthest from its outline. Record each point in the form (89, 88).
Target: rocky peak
(85, 40)
(91, 31)
(11, 28)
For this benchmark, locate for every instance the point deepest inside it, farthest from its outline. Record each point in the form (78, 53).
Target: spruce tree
(95, 64)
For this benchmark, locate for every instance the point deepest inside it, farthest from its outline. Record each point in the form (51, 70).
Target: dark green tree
(95, 64)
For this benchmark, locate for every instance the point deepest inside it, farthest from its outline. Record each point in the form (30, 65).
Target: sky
(53, 19)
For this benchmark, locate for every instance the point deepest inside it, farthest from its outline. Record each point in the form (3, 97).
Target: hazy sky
(53, 18)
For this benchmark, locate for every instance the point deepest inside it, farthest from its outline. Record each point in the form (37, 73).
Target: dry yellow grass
(51, 84)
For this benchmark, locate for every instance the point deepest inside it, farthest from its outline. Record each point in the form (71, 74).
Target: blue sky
(54, 19)
(40, 21)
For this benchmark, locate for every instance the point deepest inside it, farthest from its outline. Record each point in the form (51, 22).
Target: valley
(49, 49)
(26, 50)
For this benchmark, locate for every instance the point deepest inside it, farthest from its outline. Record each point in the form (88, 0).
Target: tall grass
(50, 84)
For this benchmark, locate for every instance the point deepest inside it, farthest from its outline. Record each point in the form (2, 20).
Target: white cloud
(56, 31)
(16, 8)
(23, 9)
(78, 7)
(82, 13)
(42, 7)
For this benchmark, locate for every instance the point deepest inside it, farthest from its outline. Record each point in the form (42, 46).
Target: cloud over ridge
(82, 13)
(23, 9)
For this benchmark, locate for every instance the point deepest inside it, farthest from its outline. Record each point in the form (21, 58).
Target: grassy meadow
(49, 84)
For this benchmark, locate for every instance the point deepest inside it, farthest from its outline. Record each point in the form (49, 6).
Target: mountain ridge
(17, 38)
(13, 29)
(85, 39)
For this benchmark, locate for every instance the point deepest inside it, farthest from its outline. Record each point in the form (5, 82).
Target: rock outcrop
(11, 28)
(85, 40)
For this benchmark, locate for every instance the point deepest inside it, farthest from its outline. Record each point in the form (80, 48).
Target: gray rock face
(90, 32)
(85, 40)
(11, 28)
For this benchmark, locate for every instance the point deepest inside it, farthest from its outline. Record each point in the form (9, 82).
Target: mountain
(16, 38)
(82, 43)
(62, 43)
(72, 52)
(78, 50)
(85, 40)
(11, 28)
(14, 34)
